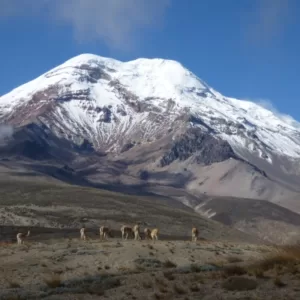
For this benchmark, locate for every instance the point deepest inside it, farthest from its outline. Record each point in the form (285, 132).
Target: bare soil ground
(68, 268)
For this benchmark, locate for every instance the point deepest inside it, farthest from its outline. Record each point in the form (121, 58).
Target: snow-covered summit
(110, 103)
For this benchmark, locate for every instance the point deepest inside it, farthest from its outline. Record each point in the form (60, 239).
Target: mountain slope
(56, 205)
(154, 122)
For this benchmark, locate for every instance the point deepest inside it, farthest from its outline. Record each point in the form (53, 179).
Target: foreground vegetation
(115, 269)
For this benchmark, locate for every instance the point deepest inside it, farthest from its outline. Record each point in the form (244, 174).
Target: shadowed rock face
(127, 146)
(36, 141)
(30, 142)
(106, 117)
(93, 74)
(85, 147)
(207, 148)
(78, 95)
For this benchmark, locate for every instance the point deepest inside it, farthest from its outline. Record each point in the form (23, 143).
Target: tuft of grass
(111, 282)
(147, 284)
(292, 269)
(233, 270)
(169, 264)
(140, 269)
(13, 285)
(158, 296)
(179, 289)
(272, 261)
(99, 287)
(194, 288)
(198, 278)
(53, 281)
(195, 268)
(217, 263)
(160, 282)
(163, 289)
(234, 259)
(169, 276)
(96, 289)
(239, 284)
(13, 297)
(277, 282)
(279, 258)
(258, 273)
(5, 244)
(216, 275)
(123, 269)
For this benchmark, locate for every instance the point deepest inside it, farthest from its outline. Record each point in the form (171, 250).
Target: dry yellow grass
(169, 264)
(285, 256)
(234, 270)
(53, 281)
(5, 244)
(277, 281)
(234, 259)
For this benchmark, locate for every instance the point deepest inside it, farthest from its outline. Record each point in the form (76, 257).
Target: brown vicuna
(147, 234)
(126, 230)
(195, 234)
(104, 232)
(21, 236)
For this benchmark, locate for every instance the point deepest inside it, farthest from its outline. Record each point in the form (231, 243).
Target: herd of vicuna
(104, 231)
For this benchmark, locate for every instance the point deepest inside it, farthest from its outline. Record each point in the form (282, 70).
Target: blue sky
(247, 49)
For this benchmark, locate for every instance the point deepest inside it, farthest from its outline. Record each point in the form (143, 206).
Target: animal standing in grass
(82, 234)
(147, 233)
(126, 230)
(104, 232)
(154, 234)
(195, 234)
(136, 231)
(21, 236)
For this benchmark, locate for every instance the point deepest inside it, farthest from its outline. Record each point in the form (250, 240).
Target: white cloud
(267, 104)
(115, 21)
(270, 19)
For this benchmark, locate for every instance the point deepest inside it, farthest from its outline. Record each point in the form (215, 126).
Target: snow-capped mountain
(123, 108)
(105, 100)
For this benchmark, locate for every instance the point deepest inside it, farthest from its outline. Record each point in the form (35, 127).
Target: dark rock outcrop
(85, 147)
(207, 148)
(106, 117)
(130, 98)
(197, 121)
(35, 141)
(127, 146)
(143, 175)
(78, 95)
(93, 74)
